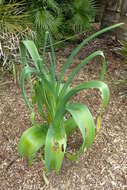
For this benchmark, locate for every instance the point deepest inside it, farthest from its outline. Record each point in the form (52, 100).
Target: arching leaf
(85, 123)
(30, 46)
(31, 141)
(70, 126)
(80, 46)
(82, 64)
(95, 84)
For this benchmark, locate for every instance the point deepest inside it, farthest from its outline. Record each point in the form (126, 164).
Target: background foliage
(21, 19)
(53, 15)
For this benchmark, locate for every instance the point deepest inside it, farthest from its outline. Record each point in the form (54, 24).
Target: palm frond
(84, 13)
(13, 17)
(44, 20)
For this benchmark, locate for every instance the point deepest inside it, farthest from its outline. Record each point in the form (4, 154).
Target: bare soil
(103, 166)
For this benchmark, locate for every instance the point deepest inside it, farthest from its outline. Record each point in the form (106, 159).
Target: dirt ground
(103, 166)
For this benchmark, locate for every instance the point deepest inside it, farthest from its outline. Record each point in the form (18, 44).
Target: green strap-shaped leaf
(52, 51)
(95, 84)
(30, 46)
(39, 98)
(70, 126)
(82, 64)
(52, 68)
(55, 147)
(26, 71)
(23, 54)
(46, 38)
(32, 140)
(84, 121)
(80, 46)
(45, 44)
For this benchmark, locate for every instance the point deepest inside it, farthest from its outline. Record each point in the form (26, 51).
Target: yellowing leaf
(98, 124)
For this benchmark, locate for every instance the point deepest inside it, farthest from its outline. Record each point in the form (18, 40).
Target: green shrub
(53, 96)
(51, 15)
(78, 15)
(30, 19)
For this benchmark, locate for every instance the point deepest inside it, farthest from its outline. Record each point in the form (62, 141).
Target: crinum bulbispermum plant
(53, 96)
